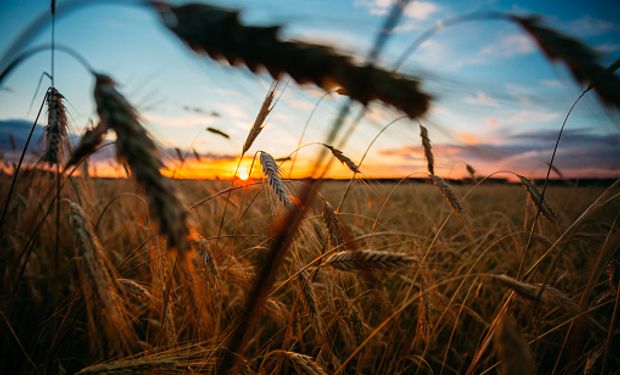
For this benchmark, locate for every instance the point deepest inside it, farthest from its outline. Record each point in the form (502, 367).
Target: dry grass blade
(219, 33)
(582, 61)
(218, 132)
(550, 296)
(89, 142)
(512, 349)
(56, 141)
(259, 121)
(448, 193)
(428, 151)
(137, 149)
(368, 260)
(536, 197)
(343, 159)
(272, 172)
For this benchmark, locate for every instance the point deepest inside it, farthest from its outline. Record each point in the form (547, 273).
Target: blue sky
(498, 101)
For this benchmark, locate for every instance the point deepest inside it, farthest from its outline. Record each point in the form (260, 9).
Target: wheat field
(152, 273)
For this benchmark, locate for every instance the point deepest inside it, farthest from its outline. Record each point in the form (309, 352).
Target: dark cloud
(579, 149)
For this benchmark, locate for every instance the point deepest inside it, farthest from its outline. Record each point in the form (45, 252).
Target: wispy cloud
(589, 26)
(504, 48)
(418, 10)
(480, 98)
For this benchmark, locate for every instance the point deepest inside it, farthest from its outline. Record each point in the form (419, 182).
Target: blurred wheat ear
(135, 147)
(512, 349)
(219, 33)
(582, 61)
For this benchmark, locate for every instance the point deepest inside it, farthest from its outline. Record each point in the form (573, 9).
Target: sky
(498, 102)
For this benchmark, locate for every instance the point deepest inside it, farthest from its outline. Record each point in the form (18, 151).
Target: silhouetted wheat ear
(471, 171)
(428, 150)
(218, 132)
(550, 295)
(556, 170)
(514, 353)
(179, 154)
(56, 141)
(582, 61)
(272, 172)
(135, 147)
(89, 142)
(259, 121)
(196, 155)
(219, 33)
(368, 260)
(535, 196)
(447, 193)
(343, 159)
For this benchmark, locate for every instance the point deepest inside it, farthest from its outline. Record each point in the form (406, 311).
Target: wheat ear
(428, 151)
(343, 158)
(56, 130)
(368, 260)
(136, 148)
(219, 33)
(447, 193)
(272, 172)
(536, 197)
(550, 295)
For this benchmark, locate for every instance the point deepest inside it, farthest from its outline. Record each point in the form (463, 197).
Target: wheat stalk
(514, 353)
(428, 151)
(303, 363)
(219, 33)
(368, 260)
(343, 158)
(536, 197)
(272, 172)
(550, 295)
(137, 149)
(447, 193)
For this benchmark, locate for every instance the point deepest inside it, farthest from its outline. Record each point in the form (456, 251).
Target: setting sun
(243, 174)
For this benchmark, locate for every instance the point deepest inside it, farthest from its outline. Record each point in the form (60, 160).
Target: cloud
(417, 10)
(580, 150)
(589, 26)
(506, 47)
(481, 99)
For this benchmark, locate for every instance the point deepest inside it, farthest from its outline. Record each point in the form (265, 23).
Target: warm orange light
(243, 174)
